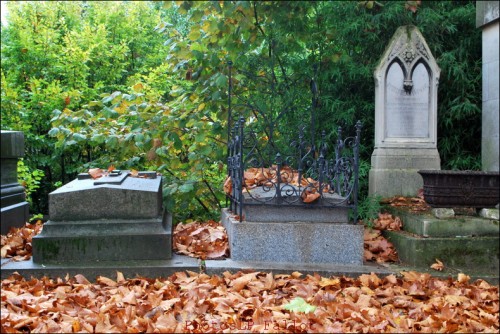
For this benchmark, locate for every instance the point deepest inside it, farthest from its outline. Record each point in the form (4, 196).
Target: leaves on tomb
(309, 195)
(249, 302)
(96, 173)
(268, 177)
(16, 244)
(386, 221)
(413, 204)
(207, 240)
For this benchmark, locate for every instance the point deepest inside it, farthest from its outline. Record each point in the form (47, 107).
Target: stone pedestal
(108, 219)
(287, 239)
(406, 84)
(14, 208)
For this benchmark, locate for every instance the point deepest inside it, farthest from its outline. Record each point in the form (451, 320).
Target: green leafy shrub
(29, 179)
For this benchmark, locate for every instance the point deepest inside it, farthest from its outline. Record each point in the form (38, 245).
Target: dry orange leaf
(96, 173)
(439, 266)
(228, 186)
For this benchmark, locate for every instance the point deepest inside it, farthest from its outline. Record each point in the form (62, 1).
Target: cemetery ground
(440, 300)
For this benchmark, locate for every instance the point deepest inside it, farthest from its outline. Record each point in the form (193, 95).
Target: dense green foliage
(60, 55)
(146, 86)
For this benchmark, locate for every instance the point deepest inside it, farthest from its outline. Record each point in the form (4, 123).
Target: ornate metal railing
(305, 173)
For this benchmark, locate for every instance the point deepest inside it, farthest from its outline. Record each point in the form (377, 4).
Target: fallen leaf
(439, 266)
(298, 304)
(462, 278)
(228, 186)
(96, 173)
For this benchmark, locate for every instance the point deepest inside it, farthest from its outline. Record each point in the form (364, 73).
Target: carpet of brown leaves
(249, 302)
(376, 247)
(17, 243)
(245, 301)
(206, 240)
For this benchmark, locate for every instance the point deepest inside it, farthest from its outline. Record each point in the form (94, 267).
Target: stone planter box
(447, 188)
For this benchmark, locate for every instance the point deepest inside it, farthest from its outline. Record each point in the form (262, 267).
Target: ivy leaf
(299, 305)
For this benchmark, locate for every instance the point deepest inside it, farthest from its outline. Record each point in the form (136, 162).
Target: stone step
(427, 225)
(179, 263)
(477, 253)
(98, 227)
(303, 242)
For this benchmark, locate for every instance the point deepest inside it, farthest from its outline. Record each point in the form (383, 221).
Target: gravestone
(406, 86)
(113, 218)
(14, 208)
(487, 18)
(293, 233)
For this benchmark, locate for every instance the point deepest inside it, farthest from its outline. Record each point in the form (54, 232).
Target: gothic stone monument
(406, 85)
(113, 218)
(15, 209)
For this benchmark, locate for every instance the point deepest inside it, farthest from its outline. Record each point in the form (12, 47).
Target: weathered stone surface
(460, 253)
(489, 213)
(406, 80)
(263, 206)
(488, 20)
(166, 268)
(443, 213)
(104, 240)
(118, 221)
(486, 12)
(295, 242)
(15, 215)
(12, 144)
(82, 200)
(14, 208)
(427, 225)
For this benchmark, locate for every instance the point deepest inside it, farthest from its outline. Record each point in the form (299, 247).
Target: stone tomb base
(104, 240)
(394, 172)
(300, 242)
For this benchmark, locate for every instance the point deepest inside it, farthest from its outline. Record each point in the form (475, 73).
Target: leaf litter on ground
(249, 302)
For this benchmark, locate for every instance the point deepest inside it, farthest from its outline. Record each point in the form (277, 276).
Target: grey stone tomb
(113, 218)
(15, 209)
(293, 234)
(487, 18)
(406, 85)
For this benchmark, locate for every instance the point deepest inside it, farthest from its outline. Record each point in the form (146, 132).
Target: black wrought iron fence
(305, 172)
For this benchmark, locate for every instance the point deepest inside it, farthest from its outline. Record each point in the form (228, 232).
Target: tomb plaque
(407, 113)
